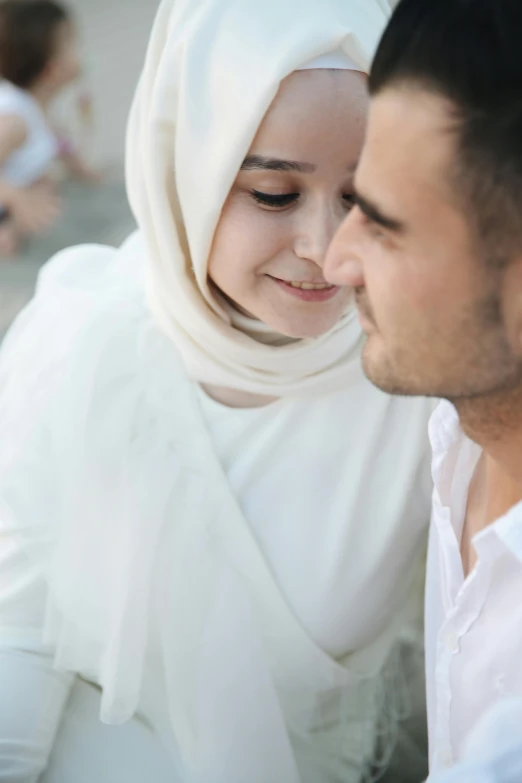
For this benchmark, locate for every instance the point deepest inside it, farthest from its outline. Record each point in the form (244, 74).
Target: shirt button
(446, 757)
(452, 641)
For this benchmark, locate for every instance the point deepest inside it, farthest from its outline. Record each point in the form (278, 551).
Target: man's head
(434, 245)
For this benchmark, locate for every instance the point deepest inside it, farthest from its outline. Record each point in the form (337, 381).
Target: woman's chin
(306, 320)
(302, 328)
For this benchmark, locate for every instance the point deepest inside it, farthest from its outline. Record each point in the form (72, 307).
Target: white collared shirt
(473, 625)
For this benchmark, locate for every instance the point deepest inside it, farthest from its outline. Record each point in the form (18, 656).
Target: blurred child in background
(38, 59)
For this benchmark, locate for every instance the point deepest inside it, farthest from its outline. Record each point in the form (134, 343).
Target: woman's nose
(315, 233)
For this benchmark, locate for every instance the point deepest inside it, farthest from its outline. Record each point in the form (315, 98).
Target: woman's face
(291, 194)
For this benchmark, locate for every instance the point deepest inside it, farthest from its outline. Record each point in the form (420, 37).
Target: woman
(217, 522)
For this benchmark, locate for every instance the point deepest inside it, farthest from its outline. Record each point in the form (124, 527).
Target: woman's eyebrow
(253, 162)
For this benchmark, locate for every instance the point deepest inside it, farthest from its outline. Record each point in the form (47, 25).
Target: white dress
(234, 582)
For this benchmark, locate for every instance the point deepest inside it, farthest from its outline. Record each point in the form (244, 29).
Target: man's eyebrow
(253, 162)
(377, 216)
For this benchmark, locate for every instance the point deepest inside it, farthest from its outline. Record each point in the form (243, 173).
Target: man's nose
(342, 265)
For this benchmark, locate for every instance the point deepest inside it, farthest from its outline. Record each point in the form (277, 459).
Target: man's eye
(349, 200)
(274, 200)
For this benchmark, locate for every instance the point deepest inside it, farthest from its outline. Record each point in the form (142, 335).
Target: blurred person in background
(38, 59)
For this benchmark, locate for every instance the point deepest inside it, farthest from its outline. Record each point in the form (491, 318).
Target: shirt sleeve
(32, 694)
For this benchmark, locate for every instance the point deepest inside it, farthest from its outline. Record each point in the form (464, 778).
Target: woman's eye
(349, 200)
(275, 200)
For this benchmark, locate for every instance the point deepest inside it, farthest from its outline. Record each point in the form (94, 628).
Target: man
(433, 248)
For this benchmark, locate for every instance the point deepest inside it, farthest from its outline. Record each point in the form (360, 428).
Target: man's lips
(365, 317)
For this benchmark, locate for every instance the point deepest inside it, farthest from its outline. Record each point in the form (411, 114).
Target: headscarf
(212, 70)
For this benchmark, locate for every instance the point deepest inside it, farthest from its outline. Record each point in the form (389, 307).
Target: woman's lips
(307, 291)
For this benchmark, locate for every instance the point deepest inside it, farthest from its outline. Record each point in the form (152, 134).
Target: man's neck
(492, 493)
(496, 425)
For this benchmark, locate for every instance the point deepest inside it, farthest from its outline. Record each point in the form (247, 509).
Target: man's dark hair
(469, 52)
(28, 36)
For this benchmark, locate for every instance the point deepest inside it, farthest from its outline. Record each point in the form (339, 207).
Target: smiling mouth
(311, 286)
(307, 292)
(362, 304)
(304, 286)
(365, 319)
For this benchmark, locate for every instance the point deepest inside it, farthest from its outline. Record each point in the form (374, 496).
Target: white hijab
(212, 70)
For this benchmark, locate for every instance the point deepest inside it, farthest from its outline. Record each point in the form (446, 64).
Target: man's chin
(380, 372)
